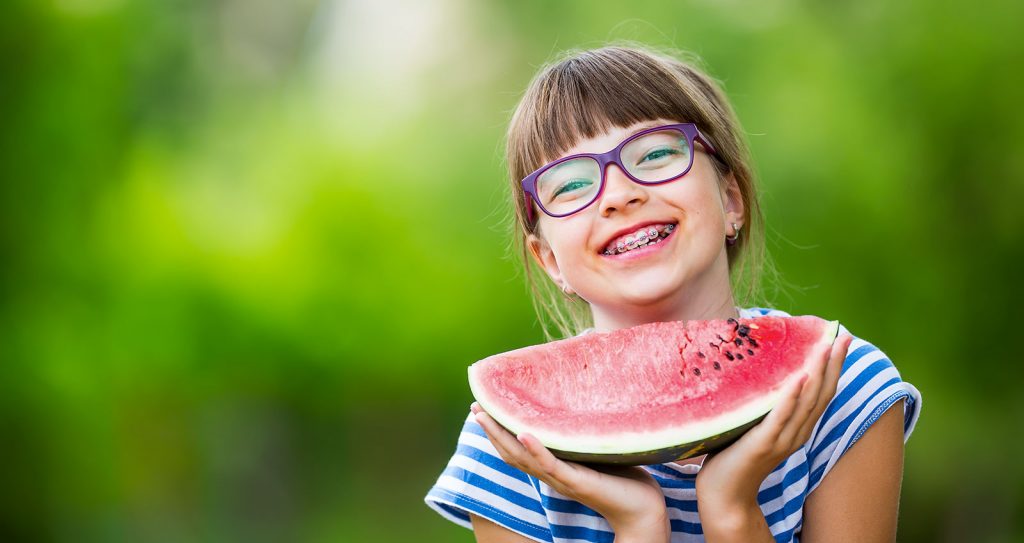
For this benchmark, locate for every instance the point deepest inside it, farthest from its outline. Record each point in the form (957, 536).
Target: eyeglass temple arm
(706, 143)
(529, 208)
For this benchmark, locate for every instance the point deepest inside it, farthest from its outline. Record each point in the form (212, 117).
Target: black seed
(700, 354)
(713, 344)
(743, 330)
(751, 353)
(738, 342)
(681, 373)
(752, 342)
(731, 321)
(696, 371)
(729, 355)
(718, 366)
(739, 356)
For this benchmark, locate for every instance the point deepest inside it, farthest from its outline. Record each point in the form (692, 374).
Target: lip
(642, 250)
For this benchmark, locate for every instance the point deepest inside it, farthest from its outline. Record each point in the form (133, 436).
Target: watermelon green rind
(652, 447)
(665, 455)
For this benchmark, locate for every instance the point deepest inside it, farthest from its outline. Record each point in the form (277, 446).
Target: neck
(709, 297)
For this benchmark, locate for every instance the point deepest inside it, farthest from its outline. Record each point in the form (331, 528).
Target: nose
(620, 192)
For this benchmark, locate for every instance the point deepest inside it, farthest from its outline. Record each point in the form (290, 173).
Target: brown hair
(582, 95)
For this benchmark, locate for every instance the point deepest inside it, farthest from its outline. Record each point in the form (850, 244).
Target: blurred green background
(249, 247)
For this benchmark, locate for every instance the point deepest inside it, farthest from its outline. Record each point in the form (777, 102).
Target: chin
(645, 297)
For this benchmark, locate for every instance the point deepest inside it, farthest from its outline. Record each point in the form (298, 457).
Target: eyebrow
(645, 125)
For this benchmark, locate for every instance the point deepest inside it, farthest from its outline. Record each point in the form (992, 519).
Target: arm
(859, 499)
(489, 532)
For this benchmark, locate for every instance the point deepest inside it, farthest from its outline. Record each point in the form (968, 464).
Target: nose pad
(619, 191)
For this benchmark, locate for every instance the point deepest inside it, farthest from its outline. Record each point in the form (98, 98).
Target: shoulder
(755, 312)
(477, 481)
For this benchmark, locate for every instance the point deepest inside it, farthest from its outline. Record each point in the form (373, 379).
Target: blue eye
(573, 184)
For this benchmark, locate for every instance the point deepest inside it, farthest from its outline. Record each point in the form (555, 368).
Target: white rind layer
(633, 442)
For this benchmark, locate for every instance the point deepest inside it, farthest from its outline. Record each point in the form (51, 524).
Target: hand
(627, 497)
(729, 480)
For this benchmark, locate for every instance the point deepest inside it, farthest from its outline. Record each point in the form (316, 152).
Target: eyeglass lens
(655, 157)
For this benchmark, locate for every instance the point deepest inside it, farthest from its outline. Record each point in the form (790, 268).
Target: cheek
(566, 237)
(568, 247)
(699, 202)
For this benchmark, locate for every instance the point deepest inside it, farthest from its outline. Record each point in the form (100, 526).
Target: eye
(572, 185)
(659, 154)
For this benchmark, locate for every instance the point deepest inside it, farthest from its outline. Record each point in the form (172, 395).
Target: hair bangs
(577, 100)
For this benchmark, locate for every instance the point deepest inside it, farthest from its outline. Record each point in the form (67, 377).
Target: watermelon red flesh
(651, 387)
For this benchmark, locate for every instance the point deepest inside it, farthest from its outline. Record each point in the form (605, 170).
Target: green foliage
(250, 247)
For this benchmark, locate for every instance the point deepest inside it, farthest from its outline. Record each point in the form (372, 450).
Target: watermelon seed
(718, 366)
(752, 342)
(750, 352)
(731, 321)
(713, 344)
(700, 354)
(738, 342)
(696, 371)
(729, 355)
(743, 330)
(739, 356)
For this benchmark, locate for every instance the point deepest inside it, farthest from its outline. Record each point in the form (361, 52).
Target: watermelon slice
(650, 394)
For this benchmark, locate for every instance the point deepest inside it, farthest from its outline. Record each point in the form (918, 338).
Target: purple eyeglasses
(649, 157)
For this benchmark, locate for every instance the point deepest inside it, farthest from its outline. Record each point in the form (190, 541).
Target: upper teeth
(639, 238)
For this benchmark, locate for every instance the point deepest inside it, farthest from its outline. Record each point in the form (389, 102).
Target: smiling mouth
(648, 235)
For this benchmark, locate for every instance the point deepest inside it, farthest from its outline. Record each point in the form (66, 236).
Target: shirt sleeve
(476, 480)
(868, 385)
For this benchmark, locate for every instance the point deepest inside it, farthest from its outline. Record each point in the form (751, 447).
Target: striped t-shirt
(478, 481)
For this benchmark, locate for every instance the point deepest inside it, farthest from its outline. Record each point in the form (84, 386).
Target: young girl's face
(686, 272)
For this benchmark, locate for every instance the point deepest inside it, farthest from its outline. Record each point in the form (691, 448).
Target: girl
(634, 194)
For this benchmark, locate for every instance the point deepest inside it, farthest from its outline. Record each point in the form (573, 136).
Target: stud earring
(731, 240)
(567, 291)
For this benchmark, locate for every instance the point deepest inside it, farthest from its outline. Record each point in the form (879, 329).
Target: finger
(474, 407)
(808, 399)
(835, 366)
(773, 424)
(560, 475)
(816, 377)
(510, 449)
(803, 405)
(828, 386)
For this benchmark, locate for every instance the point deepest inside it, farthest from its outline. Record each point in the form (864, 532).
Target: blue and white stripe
(478, 481)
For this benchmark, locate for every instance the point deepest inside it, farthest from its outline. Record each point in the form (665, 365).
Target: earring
(731, 240)
(567, 291)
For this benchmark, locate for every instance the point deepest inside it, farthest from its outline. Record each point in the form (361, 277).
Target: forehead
(610, 138)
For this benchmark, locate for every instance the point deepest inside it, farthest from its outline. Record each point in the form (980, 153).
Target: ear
(732, 201)
(545, 257)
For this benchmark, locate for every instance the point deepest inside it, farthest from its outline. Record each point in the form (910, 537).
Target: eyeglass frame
(529, 183)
